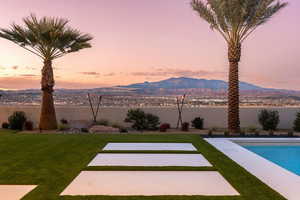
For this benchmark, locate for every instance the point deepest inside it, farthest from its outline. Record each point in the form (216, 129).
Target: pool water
(287, 157)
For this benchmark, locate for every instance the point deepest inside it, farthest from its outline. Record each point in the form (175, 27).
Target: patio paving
(149, 183)
(150, 147)
(139, 159)
(14, 192)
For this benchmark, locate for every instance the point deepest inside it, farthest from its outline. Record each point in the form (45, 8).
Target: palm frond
(47, 37)
(236, 19)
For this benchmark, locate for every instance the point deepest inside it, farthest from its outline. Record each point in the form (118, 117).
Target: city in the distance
(200, 92)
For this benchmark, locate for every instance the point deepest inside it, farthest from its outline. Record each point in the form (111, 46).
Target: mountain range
(191, 83)
(173, 86)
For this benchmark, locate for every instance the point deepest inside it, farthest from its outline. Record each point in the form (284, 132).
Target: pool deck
(281, 180)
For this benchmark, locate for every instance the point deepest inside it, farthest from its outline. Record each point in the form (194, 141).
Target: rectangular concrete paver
(149, 183)
(14, 192)
(140, 159)
(150, 146)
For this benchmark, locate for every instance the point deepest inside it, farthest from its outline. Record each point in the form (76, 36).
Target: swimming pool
(275, 161)
(287, 157)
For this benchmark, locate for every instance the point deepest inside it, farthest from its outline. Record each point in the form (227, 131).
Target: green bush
(251, 129)
(198, 123)
(63, 127)
(226, 133)
(290, 133)
(64, 121)
(116, 125)
(103, 122)
(185, 126)
(152, 122)
(84, 130)
(141, 120)
(123, 130)
(210, 132)
(297, 123)
(257, 133)
(17, 120)
(5, 125)
(268, 119)
(242, 133)
(28, 125)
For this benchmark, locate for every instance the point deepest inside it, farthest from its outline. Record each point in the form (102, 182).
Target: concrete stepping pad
(140, 159)
(14, 192)
(150, 147)
(150, 183)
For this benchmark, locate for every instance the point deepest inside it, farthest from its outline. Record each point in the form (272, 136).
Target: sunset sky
(150, 40)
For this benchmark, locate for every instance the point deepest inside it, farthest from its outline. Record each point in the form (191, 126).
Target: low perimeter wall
(213, 116)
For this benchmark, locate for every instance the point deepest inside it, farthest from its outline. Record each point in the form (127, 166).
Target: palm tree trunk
(234, 55)
(48, 116)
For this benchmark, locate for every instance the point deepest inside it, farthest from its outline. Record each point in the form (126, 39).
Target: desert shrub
(84, 130)
(152, 122)
(226, 133)
(5, 125)
(17, 120)
(214, 129)
(242, 133)
(141, 120)
(251, 129)
(137, 117)
(210, 132)
(123, 130)
(185, 126)
(103, 122)
(164, 127)
(63, 127)
(116, 125)
(28, 125)
(257, 133)
(198, 123)
(64, 121)
(291, 133)
(297, 123)
(268, 119)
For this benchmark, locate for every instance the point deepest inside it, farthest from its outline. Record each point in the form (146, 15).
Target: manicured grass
(53, 161)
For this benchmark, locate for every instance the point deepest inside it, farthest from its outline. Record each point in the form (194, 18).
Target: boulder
(79, 124)
(103, 129)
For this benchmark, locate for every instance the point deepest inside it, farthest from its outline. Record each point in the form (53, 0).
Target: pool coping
(281, 180)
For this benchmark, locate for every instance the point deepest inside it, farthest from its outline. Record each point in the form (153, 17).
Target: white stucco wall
(214, 116)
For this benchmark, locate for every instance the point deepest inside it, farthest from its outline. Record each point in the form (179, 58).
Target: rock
(103, 129)
(79, 124)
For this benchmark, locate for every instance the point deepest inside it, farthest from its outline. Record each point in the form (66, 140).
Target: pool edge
(281, 180)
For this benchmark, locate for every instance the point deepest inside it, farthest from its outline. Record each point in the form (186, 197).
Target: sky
(150, 40)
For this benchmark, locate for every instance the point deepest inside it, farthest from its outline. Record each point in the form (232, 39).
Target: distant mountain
(191, 83)
(171, 86)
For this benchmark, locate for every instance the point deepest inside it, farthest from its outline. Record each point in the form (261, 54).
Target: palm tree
(235, 20)
(48, 38)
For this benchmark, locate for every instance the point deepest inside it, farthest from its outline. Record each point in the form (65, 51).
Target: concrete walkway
(149, 183)
(150, 147)
(14, 192)
(144, 159)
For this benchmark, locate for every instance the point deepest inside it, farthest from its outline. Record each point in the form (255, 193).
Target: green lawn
(53, 161)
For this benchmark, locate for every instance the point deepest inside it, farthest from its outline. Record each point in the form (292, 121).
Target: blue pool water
(287, 157)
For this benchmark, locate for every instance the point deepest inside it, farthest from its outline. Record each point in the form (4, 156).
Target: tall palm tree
(48, 38)
(235, 20)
